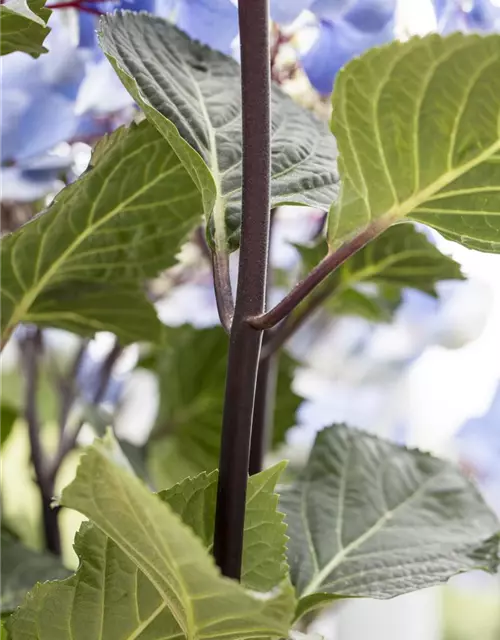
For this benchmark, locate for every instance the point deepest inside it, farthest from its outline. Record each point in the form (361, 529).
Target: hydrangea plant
(231, 548)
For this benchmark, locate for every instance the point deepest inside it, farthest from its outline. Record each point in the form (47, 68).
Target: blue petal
(20, 188)
(213, 22)
(371, 15)
(49, 120)
(87, 25)
(483, 16)
(336, 44)
(331, 10)
(137, 5)
(480, 16)
(286, 11)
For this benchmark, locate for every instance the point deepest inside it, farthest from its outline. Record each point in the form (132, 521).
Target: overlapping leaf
(80, 264)
(369, 518)
(193, 95)
(417, 124)
(143, 573)
(400, 257)
(23, 24)
(191, 371)
(22, 568)
(264, 544)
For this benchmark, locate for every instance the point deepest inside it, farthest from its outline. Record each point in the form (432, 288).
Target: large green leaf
(369, 518)
(143, 574)
(80, 264)
(191, 371)
(23, 24)
(22, 568)
(400, 257)
(193, 95)
(264, 545)
(417, 125)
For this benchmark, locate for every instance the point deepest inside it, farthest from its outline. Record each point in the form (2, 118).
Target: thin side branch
(223, 290)
(31, 349)
(68, 385)
(69, 436)
(331, 262)
(263, 414)
(245, 341)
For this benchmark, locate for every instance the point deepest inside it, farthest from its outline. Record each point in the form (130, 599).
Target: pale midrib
(404, 208)
(143, 563)
(320, 577)
(377, 269)
(219, 211)
(145, 624)
(28, 299)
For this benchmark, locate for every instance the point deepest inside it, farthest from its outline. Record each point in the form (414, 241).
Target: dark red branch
(331, 262)
(245, 341)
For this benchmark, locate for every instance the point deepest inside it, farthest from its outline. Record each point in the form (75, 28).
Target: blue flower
(213, 22)
(345, 34)
(457, 15)
(38, 97)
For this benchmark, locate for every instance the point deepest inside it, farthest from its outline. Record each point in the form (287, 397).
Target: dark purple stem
(245, 341)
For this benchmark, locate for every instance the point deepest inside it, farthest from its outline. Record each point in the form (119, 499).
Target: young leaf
(264, 544)
(193, 95)
(22, 568)
(23, 24)
(143, 573)
(417, 127)
(400, 257)
(368, 518)
(80, 264)
(191, 371)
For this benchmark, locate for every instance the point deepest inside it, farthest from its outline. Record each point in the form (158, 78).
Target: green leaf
(143, 573)
(192, 94)
(80, 265)
(22, 568)
(417, 127)
(264, 545)
(8, 416)
(368, 518)
(191, 371)
(400, 257)
(372, 306)
(23, 24)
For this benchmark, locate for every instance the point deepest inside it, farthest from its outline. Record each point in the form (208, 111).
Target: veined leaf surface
(23, 25)
(143, 574)
(417, 124)
(264, 544)
(80, 264)
(193, 95)
(368, 518)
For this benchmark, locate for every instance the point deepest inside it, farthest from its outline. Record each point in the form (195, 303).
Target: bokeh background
(430, 377)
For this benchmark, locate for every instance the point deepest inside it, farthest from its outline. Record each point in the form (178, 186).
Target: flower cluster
(72, 94)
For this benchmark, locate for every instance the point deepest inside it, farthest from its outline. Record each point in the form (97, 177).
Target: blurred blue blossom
(478, 443)
(89, 380)
(346, 29)
(460, 15)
